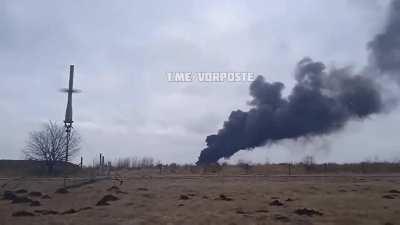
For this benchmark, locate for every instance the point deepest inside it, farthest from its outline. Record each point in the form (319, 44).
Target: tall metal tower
(68, 113)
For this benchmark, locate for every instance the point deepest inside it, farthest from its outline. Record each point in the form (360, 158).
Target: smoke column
(385, 47)
(322, 101)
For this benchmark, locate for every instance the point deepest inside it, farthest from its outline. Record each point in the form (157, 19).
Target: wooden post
(108, 168)
(102, 165)
(99, 169)
(363, 167)
(81, 162)
(290, 169)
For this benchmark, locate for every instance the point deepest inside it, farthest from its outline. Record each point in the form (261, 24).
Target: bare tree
(50, 144)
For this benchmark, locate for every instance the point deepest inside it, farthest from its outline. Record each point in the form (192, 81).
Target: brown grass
(212, 199)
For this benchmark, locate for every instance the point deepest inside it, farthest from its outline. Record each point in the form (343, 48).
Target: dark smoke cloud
(385, 47)
(321, 102)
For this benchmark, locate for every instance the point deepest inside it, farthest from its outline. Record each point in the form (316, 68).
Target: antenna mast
(68, 113)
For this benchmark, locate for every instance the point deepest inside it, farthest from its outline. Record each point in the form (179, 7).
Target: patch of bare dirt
(276, 203)
(183, 197)
(223, 197)
(106, 199)
(46, 197)
(394, 191)
(21, 191)
(35, 194)
(62, 191)
(69, 211)
(9, 195)
(35, 203)
(308, 212)
(389, 196)
(18, 200)
(113, 188)
(281, 218)
(46, 212)
(22, 214)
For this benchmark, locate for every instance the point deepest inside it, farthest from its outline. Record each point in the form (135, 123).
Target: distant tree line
(134, 163)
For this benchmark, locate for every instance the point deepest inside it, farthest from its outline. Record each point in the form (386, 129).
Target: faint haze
(122, 51)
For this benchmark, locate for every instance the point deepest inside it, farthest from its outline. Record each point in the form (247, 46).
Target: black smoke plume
(322, 101)
(385, 47)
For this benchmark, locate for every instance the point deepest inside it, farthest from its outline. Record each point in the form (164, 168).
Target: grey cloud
(123, 50)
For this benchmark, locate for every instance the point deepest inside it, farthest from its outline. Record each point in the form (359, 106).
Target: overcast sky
(123, 50)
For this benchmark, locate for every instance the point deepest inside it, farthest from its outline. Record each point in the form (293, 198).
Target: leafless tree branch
(50, 143)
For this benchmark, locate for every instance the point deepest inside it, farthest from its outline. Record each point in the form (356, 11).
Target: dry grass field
(212, 199)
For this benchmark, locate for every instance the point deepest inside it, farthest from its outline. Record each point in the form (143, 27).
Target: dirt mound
(69, 211)
(113, 188)
(389, 196)
(149, 195)
(308, 212)
(9, 195)
(183, 197)
(276, 203)
(21, 191)
(46, 197)
(223, 197)
(18, 200)
(262, 211)
(35, 203)
(22, 213)
(142, 189)
(281, 218)
(116, 190)
(35, 194)
(62, 191)
(46, 212)
(106, 199)
(393, 191)
(102, 203)
(85, 208)
(241, 211)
